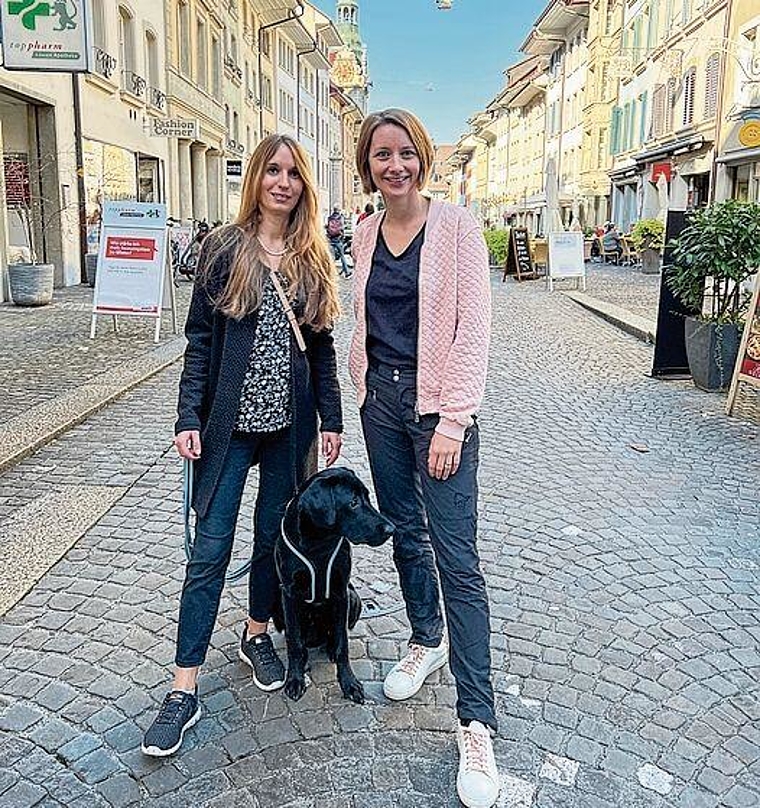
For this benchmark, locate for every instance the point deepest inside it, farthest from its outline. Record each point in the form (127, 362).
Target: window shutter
(711, 85)
(643, 122)
(689, 81)
(658, 110)
(615, 130)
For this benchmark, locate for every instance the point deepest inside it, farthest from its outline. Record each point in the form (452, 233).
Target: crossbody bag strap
(288, 310)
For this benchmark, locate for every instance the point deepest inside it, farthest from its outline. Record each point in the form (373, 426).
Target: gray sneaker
(178, 713)
(258, 653)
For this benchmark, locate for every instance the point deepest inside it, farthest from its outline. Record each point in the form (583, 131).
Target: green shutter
(644, 111)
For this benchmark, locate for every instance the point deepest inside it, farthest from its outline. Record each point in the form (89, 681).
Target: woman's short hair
(412, 125)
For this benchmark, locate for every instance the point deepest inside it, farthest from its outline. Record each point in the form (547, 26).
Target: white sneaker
(478, 778)
(408, 675)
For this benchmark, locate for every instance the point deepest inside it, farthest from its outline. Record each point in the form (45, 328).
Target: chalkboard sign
(519, 261)
(748, 361)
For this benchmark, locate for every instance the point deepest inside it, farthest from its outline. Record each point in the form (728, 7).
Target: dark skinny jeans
(436, 527)
(215, 534)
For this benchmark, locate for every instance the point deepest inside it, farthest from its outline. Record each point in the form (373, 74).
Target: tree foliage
(717, 250)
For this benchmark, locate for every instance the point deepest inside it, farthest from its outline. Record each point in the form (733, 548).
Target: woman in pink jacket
(418, 360)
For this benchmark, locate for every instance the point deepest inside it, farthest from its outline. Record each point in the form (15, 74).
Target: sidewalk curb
(633, 324)
(23, 435)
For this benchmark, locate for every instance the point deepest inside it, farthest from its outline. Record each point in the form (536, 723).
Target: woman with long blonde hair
(259, 372)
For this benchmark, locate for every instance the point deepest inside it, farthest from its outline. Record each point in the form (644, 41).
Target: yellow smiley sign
(749, 134)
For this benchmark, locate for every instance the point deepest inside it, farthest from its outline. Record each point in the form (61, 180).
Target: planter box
(651, 262)
(711, 350)
(31, 284)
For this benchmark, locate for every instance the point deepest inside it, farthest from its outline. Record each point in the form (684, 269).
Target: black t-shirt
(392, 304)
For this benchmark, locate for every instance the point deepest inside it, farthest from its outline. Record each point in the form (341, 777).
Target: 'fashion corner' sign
(53, 36)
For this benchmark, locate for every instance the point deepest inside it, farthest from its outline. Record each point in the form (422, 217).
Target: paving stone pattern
(624, 590)
(35, 340)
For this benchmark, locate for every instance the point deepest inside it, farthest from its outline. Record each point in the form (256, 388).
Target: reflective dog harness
(310, 566)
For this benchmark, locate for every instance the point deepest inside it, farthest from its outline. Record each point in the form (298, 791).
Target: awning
(739, 156)
(679, 146)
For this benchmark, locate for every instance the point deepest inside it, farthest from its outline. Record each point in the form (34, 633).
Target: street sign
(566, 258)
(53, 36)
(132, 263)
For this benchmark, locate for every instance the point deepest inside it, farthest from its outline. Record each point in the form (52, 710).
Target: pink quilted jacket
(454, 314)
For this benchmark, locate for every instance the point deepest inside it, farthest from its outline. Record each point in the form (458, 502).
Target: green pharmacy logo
(66, 12)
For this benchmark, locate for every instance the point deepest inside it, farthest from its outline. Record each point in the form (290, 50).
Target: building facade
(176, 99)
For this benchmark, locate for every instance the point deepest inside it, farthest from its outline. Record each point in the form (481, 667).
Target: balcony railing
(231, 66)
(105, 64)
(134, 84)
(157, 98)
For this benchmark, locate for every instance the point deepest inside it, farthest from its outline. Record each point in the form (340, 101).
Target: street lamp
(293, 14)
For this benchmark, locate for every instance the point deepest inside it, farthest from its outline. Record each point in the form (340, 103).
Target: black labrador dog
(330, 512)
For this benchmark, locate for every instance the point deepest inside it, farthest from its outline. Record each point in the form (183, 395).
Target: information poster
(748, 361)
(132, 265)
(566, 257)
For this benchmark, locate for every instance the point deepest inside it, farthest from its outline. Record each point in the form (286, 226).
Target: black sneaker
(178, 713)
(259, 653)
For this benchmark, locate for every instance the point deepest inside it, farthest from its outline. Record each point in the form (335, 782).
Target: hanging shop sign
(748, 361)
(133, 266)
(566, 258)
(175, 127)
(234, 169)
(54, 36)
(749, 134)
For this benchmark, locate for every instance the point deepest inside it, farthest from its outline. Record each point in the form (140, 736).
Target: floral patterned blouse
(265, 396)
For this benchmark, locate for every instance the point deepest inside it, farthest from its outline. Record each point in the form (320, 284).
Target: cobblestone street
(619, 526)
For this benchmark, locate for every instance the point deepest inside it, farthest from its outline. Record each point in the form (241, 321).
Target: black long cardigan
(216, 359)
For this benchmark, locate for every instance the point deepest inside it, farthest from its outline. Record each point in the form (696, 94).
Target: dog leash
(187, 501)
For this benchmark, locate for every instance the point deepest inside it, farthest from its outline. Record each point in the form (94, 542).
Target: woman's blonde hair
(412, 125)
(307, 264)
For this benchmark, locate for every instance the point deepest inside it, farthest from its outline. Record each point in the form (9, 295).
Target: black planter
(711, 349)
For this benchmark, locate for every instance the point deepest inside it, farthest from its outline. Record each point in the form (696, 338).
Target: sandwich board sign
(133, 267)
(566, 258)
(747, 367)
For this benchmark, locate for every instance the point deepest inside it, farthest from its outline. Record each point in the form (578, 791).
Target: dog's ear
(316, 504)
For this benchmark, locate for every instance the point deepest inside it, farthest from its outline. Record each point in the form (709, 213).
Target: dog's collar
(309, 566)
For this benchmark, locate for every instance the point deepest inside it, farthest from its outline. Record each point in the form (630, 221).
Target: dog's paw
(295, 687)
(352, 689)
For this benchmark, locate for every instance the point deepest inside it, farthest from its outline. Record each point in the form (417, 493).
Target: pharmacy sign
(51, 35)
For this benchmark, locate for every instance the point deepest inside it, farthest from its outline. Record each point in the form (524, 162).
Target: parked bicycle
(186, 250)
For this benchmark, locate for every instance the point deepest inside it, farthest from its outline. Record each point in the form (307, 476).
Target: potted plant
(37, 209)
(497, 242)
(648, 237)
(713, 257)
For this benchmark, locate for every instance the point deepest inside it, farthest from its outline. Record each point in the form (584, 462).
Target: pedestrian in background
(369, 209)
(257, 372)
(418, 360)
(335, 235)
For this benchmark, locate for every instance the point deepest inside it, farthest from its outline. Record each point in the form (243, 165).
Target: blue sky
(443, 65)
